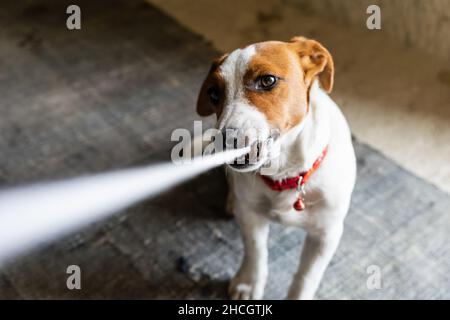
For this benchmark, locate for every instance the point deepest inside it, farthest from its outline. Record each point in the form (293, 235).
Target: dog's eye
(214, 95)
(266, 82)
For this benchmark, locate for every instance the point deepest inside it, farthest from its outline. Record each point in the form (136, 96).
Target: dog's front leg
(250, 280)
(316, 255)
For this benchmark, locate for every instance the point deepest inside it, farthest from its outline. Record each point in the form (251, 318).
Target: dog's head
(262, 91)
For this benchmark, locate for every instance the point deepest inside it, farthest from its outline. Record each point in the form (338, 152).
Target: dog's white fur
(238, 112)
(327, 195)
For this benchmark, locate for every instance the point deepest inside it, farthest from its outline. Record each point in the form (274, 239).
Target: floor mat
(108, 96)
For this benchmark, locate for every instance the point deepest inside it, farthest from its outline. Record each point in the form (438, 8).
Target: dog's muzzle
(236, 139)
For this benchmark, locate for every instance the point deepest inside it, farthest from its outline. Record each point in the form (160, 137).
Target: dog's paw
(246, 289)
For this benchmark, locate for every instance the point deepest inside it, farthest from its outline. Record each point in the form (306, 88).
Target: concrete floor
(396, 99)
(110, 95)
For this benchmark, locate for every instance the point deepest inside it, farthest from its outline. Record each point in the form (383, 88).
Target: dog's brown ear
(205, 106)
(316, 61)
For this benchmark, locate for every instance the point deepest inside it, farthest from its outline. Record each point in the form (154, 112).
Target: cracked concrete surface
(395, 98)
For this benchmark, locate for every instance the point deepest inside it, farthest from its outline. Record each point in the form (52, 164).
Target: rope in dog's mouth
(37, 214)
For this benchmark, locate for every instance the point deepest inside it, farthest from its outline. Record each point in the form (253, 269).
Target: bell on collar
(299, 204)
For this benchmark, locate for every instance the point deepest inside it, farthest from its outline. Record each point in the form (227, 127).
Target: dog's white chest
(282, 208)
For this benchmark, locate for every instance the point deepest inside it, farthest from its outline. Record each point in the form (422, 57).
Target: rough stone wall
(422, 24)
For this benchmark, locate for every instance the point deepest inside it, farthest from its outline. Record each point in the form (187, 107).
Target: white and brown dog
(275, 85)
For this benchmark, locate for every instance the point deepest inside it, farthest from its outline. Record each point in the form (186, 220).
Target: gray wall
(423, 24)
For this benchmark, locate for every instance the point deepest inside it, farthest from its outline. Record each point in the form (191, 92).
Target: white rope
(40, 213)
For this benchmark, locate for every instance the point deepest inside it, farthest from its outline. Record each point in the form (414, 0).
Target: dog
(283, 87)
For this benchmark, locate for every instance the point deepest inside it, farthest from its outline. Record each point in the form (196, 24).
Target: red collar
(297, 182)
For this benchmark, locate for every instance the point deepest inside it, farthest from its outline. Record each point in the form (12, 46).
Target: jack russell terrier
(282, 86)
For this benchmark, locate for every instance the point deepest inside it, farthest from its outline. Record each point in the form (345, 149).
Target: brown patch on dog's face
(284, 105)
(294, 66)
(206, 102)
